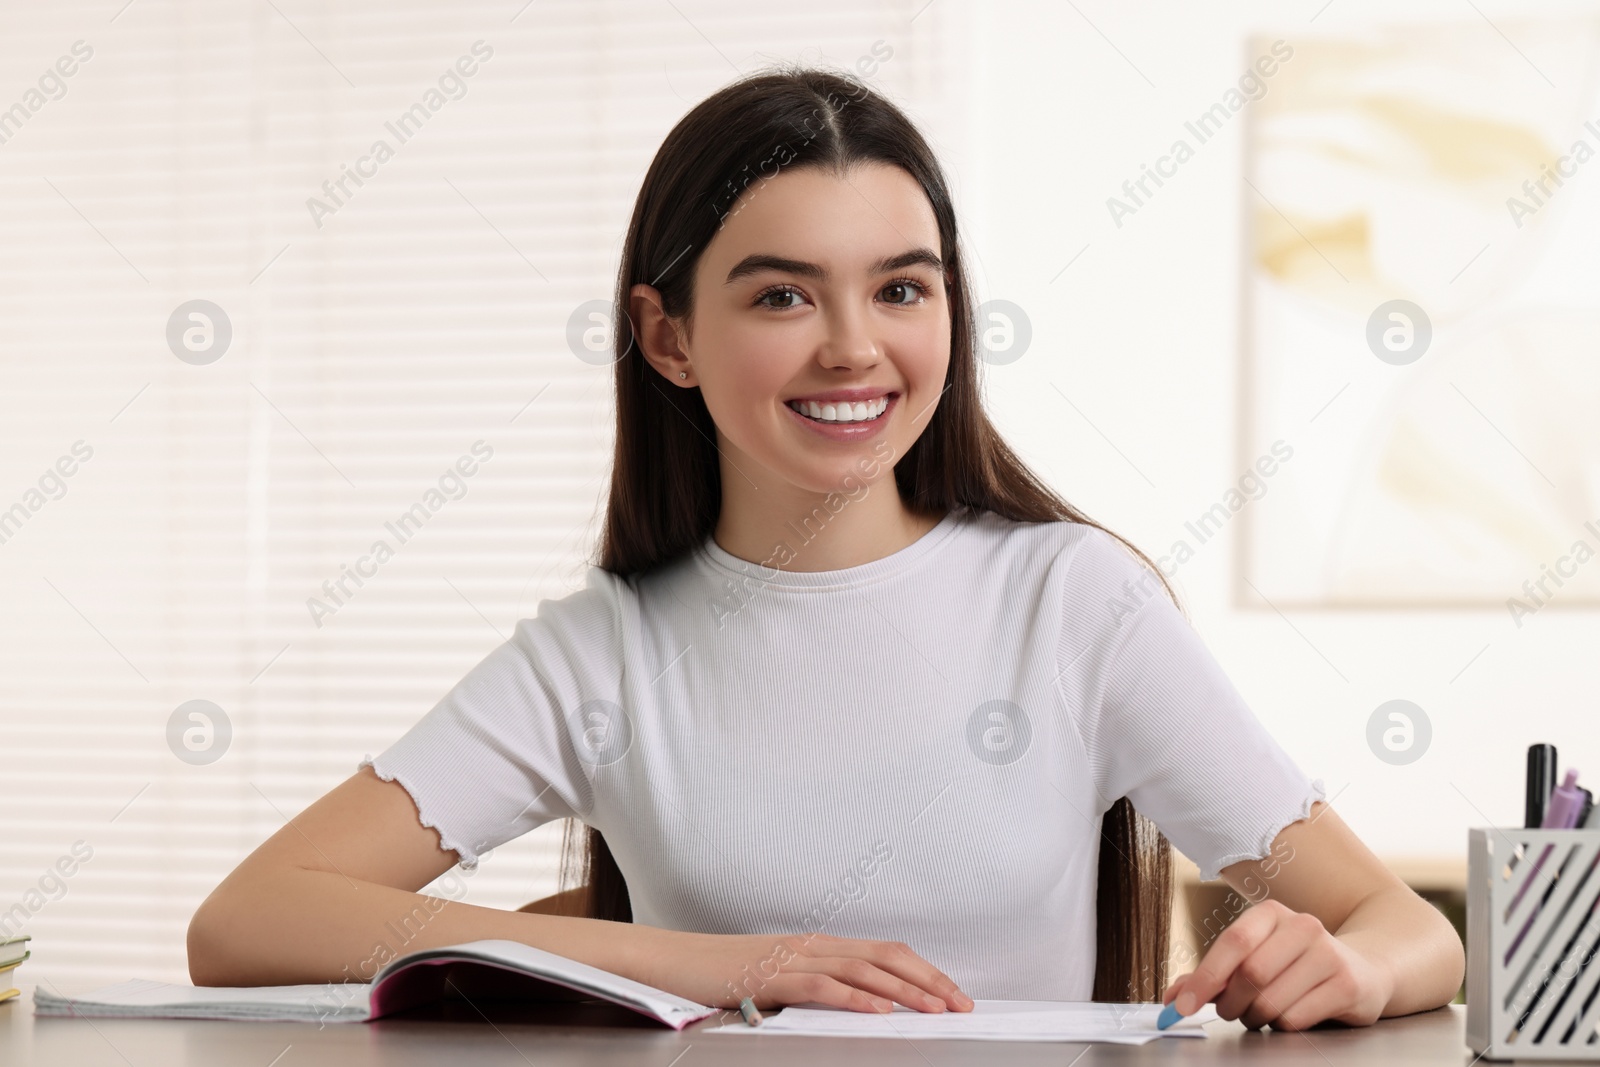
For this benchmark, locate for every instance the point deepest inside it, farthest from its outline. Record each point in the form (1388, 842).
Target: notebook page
(989, 1020)
(139, 998)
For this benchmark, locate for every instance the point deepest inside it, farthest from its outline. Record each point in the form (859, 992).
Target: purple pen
(1566, 802)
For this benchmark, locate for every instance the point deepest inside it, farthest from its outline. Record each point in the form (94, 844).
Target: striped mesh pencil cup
(1533, 927)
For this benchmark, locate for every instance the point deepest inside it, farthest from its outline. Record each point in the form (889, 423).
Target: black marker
(1541, 779)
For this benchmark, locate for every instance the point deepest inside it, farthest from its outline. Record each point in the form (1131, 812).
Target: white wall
(1143, 333)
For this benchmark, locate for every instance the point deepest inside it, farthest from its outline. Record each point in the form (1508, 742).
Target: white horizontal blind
(376, 339)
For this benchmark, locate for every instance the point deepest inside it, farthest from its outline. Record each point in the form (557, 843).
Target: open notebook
(487, 969)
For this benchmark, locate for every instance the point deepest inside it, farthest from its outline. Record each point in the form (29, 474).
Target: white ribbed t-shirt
(916, 749)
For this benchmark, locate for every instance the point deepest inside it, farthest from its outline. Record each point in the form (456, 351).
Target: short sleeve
(494, 758)
(1160, 721)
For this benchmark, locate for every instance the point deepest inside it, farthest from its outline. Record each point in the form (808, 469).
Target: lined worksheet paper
(989, 1020)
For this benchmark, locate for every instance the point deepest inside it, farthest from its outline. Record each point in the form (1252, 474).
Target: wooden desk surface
(607, 1035)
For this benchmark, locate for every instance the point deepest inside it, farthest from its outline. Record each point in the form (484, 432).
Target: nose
(850, 343)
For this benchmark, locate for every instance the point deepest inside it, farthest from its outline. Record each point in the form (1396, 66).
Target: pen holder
(1533, 927)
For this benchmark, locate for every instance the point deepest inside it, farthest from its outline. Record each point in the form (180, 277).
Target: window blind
(243, 345)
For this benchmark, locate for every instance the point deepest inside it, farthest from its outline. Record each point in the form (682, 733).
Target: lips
(852, 430)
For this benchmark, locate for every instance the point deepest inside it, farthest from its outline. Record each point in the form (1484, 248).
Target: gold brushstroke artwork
(1433, 164)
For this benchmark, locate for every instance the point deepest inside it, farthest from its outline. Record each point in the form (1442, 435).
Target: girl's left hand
(1279, 966)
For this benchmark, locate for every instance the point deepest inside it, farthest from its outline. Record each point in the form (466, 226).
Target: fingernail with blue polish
(1169, 1015)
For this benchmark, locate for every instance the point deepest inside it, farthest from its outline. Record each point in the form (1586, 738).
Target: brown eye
(915, 290)
(778, 291)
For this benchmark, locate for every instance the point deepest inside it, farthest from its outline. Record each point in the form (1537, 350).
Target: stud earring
(681, 374)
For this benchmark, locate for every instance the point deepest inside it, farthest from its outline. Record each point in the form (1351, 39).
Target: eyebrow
(759, 262)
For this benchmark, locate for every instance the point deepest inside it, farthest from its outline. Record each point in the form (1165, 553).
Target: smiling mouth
(842, 414)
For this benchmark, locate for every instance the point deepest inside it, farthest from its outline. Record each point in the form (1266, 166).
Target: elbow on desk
(213, 955)
(1457, 952)
(200, 944)
(1453, 955)
(1429, 974)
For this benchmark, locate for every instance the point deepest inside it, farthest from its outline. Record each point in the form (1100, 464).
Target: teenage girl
(855, 710)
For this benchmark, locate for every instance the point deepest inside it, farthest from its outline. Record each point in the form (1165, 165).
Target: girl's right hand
(718, 970)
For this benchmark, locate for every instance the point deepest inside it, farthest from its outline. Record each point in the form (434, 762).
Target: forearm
(1408, 938)
(297, 926)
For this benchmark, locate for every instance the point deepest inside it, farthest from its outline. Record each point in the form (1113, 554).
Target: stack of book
(13, 950)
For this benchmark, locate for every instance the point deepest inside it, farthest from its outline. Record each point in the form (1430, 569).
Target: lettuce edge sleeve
(466, 856)
(1213, 872)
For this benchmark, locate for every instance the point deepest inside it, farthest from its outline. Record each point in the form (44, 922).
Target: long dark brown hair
(666, 491)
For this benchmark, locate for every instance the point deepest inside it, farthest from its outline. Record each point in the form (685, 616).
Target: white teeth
(858, 412)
